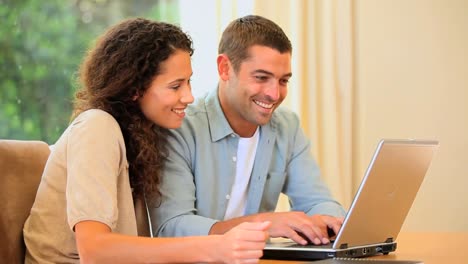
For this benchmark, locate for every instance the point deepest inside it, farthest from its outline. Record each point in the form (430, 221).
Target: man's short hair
(245, 32)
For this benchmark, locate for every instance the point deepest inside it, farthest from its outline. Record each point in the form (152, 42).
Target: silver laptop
(379, 207)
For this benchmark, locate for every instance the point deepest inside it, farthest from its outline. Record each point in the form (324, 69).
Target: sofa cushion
(21, 167)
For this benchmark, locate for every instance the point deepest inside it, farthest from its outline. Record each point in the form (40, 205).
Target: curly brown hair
(121, 66)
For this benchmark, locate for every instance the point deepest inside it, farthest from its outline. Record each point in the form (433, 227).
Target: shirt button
(228, 196)
(234, 158)
(233, 135)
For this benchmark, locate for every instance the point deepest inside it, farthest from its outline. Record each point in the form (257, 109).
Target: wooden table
(429, 247)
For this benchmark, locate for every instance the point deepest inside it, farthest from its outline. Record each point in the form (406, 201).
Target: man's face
(252, 94)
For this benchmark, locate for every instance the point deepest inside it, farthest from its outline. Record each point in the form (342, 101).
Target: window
(42, 44)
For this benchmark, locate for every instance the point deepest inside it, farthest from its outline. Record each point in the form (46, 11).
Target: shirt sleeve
(176, 214)
(93, 164)
(306, 190)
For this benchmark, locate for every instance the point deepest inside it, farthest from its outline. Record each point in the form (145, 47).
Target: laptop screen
(386, 193)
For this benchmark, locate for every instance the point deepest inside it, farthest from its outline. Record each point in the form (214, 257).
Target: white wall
(204, 21)
(411, 62)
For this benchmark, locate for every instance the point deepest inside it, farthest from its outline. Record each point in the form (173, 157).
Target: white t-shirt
(245, 159)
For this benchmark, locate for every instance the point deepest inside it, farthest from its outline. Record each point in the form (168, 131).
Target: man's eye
(284, 81)
(175, 87)
(261, 78)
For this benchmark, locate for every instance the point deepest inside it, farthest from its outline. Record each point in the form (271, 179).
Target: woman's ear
(137, 95)
(223, 66)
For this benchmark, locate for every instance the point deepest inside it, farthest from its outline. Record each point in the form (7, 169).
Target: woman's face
(164, 102)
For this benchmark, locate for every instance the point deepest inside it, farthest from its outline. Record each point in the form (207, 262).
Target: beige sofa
(21, 166)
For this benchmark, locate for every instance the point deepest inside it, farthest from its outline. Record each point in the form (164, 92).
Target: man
(237, 151)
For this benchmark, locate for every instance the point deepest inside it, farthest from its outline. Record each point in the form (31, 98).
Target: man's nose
(273, 91)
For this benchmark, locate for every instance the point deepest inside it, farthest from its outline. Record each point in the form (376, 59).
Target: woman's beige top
(85, 178)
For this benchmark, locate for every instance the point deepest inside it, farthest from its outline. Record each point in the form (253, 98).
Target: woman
(135, 85)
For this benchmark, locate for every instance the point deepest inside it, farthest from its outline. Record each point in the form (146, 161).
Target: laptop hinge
(345, 245)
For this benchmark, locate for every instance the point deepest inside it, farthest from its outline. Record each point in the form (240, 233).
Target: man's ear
(223, 66)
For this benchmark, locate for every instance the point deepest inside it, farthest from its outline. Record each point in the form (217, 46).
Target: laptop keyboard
(329, 245)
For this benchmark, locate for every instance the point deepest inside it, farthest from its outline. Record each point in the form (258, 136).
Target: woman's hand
(244, 243)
